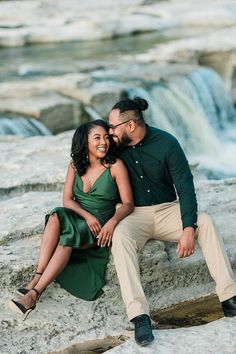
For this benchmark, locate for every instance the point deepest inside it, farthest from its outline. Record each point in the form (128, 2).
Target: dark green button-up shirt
(158, 168)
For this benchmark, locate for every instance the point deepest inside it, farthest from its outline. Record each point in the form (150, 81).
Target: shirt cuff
(190, 222)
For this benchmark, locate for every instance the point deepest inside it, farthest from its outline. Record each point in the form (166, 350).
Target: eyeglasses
(113, 127)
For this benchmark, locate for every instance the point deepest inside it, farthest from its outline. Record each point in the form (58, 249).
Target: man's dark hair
(137, 105)
(79, 146)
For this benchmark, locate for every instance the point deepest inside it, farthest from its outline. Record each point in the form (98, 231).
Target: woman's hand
(105, 235)
(93, 224)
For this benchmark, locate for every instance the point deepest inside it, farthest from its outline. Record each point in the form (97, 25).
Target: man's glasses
(113, 127)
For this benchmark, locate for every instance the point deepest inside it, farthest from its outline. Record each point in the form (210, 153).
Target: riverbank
(60, 319)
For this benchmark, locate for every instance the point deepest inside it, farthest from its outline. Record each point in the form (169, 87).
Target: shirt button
(136, 161)
(141, 176)
(133, 147)
(148, 190)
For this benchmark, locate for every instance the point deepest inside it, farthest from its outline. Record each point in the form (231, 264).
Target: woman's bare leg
(56, 264)
(48, 245)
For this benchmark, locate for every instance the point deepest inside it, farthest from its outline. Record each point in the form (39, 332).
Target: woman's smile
(102, 148)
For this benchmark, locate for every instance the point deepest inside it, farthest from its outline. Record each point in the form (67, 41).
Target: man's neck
(138, 135)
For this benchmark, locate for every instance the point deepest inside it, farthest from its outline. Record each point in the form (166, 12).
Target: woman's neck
(95, 163)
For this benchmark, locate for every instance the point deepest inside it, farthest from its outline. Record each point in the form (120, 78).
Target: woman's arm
(120, 175)
(69, 202)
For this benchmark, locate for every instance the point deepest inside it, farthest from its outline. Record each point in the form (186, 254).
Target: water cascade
(22, 126)
(198, 110)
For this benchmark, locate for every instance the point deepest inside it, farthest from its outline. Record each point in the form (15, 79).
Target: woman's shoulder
(117, 167)
(117, 164)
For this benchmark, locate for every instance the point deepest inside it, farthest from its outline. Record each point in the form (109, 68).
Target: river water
(195, 107)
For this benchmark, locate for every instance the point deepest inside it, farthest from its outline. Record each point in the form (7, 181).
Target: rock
(79, 97)
(192, 340)
(59, 21)
(53, 21)
(61, 320)
(223, 62)
(37, 101)
(51, 99)
(29, 155)
(23, 216)
(33, 169)
(216, 49)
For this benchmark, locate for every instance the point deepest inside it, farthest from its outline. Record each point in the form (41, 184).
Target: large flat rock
(35, 100)
(32, 176)
(216, 337)
(216, 49)
(28, 163)
(41, 21)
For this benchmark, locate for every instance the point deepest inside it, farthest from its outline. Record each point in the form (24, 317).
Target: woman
(73, 245)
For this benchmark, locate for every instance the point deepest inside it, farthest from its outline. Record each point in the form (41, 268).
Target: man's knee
(206, 227)
(122, 237)
(204, 220)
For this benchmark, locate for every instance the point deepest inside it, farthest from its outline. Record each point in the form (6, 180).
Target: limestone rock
(52, 153)
(33, 169)
(78, 97)
(216, 49)
(59, 21)
(32, 175)
(23, 216)
(36, 101)
(192, 340)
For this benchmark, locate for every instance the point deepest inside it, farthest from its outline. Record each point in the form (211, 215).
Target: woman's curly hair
(79, 146)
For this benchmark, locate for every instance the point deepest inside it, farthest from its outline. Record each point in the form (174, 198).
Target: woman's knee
(64, 249)
(53, 219)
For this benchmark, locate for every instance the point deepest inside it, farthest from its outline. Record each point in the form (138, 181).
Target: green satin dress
(84, 275)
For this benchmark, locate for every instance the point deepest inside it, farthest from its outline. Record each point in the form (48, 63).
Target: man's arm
(183, 180)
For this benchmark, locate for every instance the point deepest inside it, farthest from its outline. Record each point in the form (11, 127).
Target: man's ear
(132, 125)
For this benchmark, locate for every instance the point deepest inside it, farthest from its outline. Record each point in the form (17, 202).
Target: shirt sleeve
(182, 179)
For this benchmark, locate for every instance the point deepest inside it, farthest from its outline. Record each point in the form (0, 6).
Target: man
(158, 169)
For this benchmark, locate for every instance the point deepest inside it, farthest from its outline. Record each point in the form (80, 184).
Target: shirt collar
(145, 138)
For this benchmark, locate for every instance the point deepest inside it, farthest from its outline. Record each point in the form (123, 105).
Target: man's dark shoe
(142, 330)
(229, 307)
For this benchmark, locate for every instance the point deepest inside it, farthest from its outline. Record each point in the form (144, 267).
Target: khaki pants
(163, 222)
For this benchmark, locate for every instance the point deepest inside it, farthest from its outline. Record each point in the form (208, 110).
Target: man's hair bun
(138, 104)
(141, 103)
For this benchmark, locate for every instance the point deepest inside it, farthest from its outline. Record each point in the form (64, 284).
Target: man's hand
(186, 244)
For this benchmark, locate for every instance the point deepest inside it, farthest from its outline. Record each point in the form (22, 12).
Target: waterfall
(207, 90)
(199, 112)
(173, 111)
(92, 113)
(22, 126)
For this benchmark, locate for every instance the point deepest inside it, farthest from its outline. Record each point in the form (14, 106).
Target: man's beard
(123, 142)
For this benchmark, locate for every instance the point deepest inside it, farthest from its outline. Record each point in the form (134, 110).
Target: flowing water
(194, 107)
(198, 110)
(21, 126)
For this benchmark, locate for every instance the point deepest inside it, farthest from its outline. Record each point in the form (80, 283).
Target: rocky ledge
(32, 175)
(45, 21)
